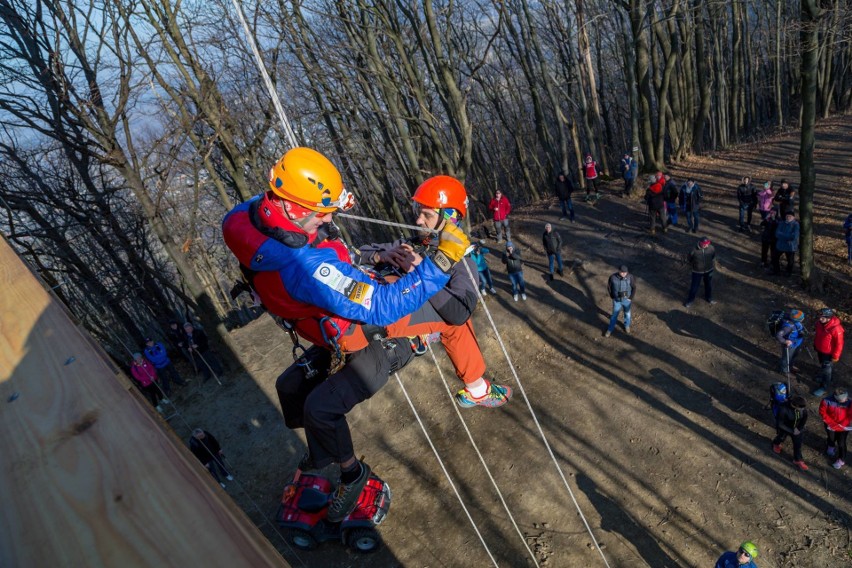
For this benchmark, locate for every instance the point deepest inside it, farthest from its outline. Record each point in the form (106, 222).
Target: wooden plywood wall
(88, 474)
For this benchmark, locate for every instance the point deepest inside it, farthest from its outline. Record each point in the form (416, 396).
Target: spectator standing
(764, 200)
(564, 189)
(629, 170)
(145, 376)
(501, 207)
(836, 413)
(785, 198)
(828, 344)
(552, 243)
(590, 172)
(768, 239)
(478, 254)
(747, 198)
(515, 268)
(690, 202)
(790, 336)
(702, 261)
(743, 558)
(156, 353)
(792, 418)
(786, 243)
(199, 347)
(177, 339)
(206, 448)
(655, 200)
(847, 228)
(621, 287)
(670, 193)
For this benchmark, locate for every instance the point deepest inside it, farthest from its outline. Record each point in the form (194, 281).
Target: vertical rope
(276, 102)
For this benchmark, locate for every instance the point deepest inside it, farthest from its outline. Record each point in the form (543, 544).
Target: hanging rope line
(534, 416)
(444, 469)
(292, 141)
(386, 223)
(276, 102)
(479, 455)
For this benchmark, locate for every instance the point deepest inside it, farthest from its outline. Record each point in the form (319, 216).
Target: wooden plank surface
(88, 475)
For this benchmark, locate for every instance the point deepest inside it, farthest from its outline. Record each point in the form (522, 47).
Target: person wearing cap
(792, 417)
(479, 254)
(764, 200)
(156, 353)
(500, 207)
(790, 335)
(515, 269)
(292, 254)
(743, 557)
(828, 344)
(702, 261)
(145, 376)
(689, 199)
(655, 200)
(786, 243)
(621, 287)
(564, 189)
(552, 243)
(836, 414)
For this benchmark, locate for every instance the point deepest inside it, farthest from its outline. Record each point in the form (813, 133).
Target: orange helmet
(309, 179)
(442, 192)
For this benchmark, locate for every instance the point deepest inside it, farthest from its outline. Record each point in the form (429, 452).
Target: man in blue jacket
(743, 557)
(787, 243)
(157, 355)
(790, 337)
(288, 249)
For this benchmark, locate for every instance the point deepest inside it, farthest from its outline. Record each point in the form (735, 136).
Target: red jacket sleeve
(837, 344)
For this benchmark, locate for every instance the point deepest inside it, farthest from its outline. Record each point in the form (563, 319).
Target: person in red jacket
(145, 376)
(656, 202)
(828, 343)
(836, 412)
(501, 207)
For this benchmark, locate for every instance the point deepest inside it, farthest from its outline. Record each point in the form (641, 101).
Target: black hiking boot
(346, 496)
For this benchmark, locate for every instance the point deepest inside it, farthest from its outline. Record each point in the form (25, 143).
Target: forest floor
(663, 435)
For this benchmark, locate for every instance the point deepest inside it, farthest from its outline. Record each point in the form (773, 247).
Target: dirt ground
(662, 435)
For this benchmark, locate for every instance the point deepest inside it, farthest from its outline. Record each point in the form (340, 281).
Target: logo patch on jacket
(362, 294)
(330, 276)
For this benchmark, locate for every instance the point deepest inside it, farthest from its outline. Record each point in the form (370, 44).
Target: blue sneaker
(496, 395)
(820, 392)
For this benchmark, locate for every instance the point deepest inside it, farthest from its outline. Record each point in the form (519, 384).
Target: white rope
(444, 469)
(276, 102)
(533, 414)
(481, 459)
(388, 223)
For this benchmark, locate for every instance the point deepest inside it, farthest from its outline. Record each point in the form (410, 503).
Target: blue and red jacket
(313, 284)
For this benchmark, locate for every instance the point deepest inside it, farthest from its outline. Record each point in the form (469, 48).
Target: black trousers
(320, 404)
(781, 435)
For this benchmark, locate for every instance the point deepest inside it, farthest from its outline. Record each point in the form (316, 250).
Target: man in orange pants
(285, 242)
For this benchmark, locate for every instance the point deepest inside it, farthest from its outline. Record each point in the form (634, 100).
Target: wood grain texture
(88, 475)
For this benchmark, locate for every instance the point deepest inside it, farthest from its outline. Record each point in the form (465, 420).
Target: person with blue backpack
(790, 336)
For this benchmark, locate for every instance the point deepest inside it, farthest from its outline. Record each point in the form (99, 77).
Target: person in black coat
(792, 417)
(206, 448)
(564, 188)
(552, 243)
(199, 348)
(767, 237)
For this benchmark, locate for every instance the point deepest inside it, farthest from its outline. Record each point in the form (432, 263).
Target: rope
(276, 102)
(534, 417)
(388, 223)
(444, 469)
(481, 459)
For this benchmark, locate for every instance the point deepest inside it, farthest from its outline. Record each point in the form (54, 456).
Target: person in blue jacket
(480, 257)
(790, 336)
(743, 557)
(290, 252)
(847, 228)
(156, 353)
(786, 243)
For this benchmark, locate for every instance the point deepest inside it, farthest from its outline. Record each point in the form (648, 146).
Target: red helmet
(442, 192)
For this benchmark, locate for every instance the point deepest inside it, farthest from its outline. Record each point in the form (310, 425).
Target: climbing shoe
(346, 496)
(496, 395)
